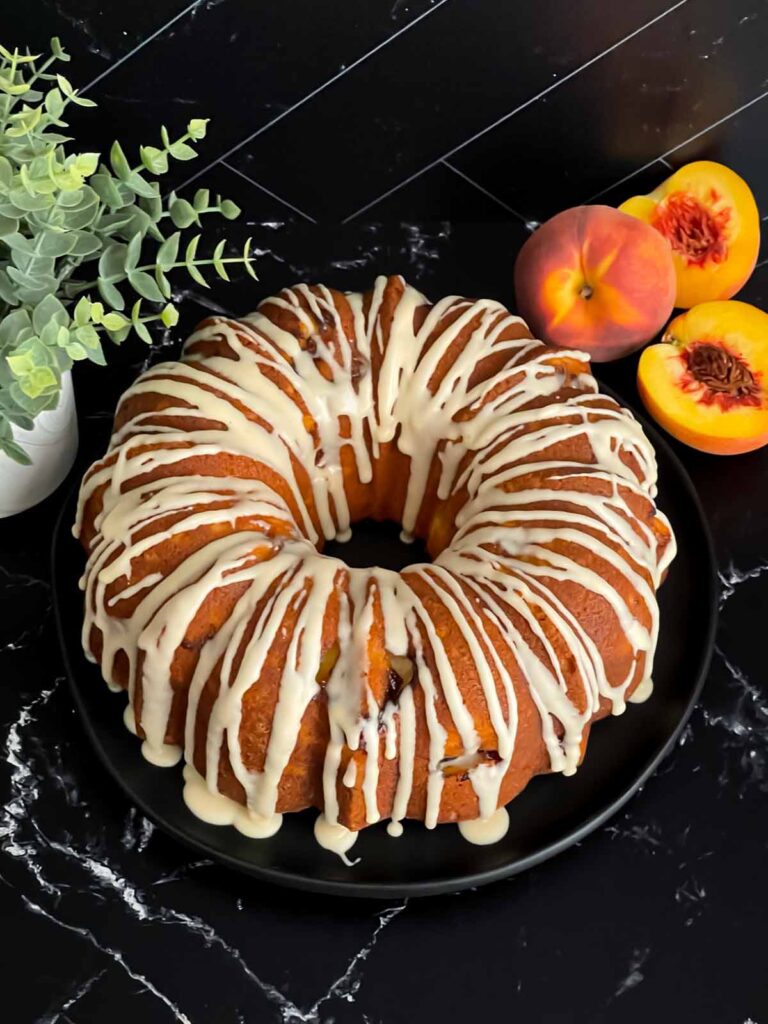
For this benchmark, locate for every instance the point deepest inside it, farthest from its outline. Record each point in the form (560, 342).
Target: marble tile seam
(516, 110)
(485, 191)
(662, 157)
(263, 188)
(316, 91)
(139, 46)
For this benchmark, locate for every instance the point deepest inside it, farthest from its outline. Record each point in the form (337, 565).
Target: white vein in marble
(635, 974)
(731, 577)
(113, 954)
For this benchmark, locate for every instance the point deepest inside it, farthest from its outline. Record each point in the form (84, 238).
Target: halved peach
(709, 216)
(595, 279)
(706, 383)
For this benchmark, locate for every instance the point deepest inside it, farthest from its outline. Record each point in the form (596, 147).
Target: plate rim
(405, 889)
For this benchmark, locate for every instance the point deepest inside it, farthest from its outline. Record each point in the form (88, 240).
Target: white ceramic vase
(52, 446)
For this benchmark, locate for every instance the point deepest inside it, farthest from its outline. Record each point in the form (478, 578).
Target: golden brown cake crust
(290, 680)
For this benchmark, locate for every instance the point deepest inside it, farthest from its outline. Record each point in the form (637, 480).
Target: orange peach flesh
(710, 218)
(707, 382)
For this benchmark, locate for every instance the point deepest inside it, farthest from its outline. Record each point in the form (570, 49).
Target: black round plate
(550, 815)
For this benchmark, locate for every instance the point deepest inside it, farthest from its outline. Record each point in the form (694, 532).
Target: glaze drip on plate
(289, 679)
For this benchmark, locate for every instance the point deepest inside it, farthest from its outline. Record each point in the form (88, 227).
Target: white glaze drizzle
(486, 831)
(272, 399)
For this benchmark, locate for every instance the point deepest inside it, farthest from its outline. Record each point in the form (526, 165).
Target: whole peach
(595, 279)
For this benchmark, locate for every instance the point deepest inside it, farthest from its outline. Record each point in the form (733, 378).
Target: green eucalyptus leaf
(54, 103)
(190, 253)
(19, 419)
(113, 321)
(248, 259)
(16, 57)
(62, 360)
(31, 288)
(65, 86)
(82, 312)
(197, 127)
(139, 223)
(196, 275)
(6, 171)
(168, 251)
(145, 285)
(146, 189)
(119, 336)
(57, 50)
(155, 160)
(7, 226)
(17, 242)
(48, 310)
(132, 254)
(96, 353)
(71, 199)
(169, 315)
(85, 164)
(162, 282)
(142, 332)
(116, 223)
(54, 244)
(182, 213)
(76, 351)
(84, 214)
(201, 200)
(49, 334)
(55, 139)
(40, 381)
(152, 207)
(85, 244)
(12, 325)
(87, 336)
(24, 401)
(14, 451)
(7, 289)
(181, 151)
(27, 203)
(153, 231)
(229, 210)
(119, 162)
(110, 294)
(12, 88)
(189, 262)
(105, 187)
(112, 262)
(218, 266)
(24, 123)
(20, 364)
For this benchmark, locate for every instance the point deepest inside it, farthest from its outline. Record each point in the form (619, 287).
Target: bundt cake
(289, 680)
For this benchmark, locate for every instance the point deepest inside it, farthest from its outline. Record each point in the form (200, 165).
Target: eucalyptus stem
(68, 216)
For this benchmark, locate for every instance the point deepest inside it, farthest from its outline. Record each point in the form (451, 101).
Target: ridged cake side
(291, 680)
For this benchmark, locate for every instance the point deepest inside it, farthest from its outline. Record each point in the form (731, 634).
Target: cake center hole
(377, 544)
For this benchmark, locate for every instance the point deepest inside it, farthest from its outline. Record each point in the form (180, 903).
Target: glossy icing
(272, 397)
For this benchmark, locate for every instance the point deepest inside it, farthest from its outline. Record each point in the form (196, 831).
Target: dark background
(427, 139)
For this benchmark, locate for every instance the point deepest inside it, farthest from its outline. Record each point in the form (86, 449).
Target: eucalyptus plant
(84, 244)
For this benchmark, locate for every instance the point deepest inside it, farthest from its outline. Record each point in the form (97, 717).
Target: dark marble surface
(454, 125)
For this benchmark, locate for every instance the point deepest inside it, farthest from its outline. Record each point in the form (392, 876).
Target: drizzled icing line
(555, 485)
